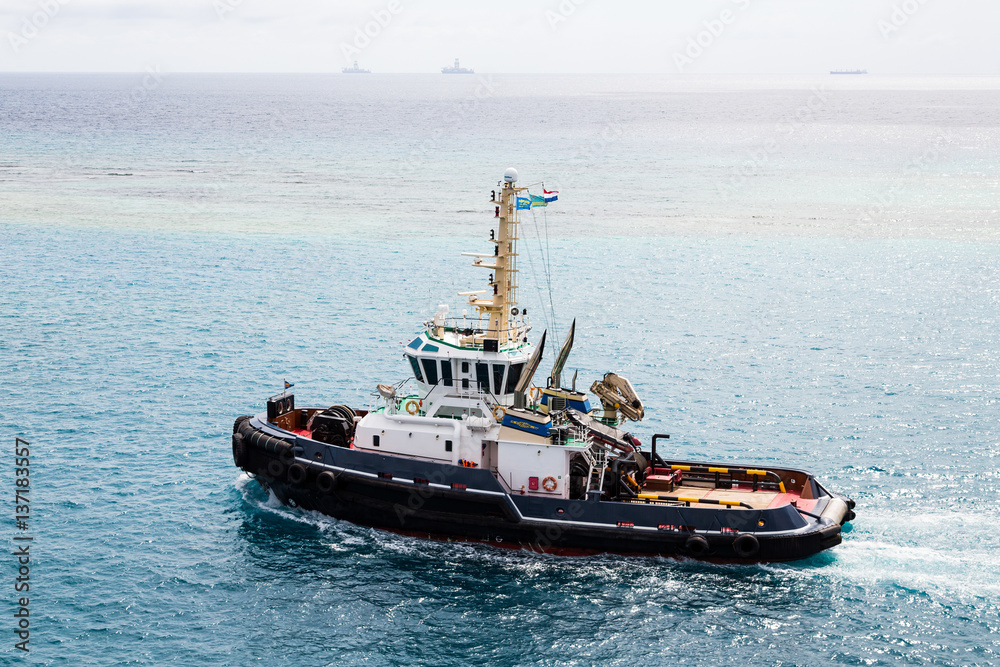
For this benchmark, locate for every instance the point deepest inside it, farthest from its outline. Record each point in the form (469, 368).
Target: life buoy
(297, 473)
(746, 546)
(498, 413)
(696, 545)
(536, 394)
(275, 468)
(411, 407)
(550, 484)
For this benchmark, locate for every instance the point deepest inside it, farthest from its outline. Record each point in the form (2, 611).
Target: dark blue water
(141, 314)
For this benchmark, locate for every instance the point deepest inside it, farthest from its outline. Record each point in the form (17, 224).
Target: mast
(502, 328)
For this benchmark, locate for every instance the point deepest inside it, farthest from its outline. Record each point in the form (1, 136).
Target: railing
(454, 387)
(701, 472)
(473, 327)
(754, 474)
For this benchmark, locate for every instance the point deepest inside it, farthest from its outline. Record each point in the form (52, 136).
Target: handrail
(749, 472)
(802, 511)
(487, 397)
(653, 456)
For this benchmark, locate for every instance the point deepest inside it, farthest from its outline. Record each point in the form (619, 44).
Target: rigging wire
(531, 263)
(546, 266)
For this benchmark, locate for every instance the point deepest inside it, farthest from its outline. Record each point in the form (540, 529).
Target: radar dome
(510, 175)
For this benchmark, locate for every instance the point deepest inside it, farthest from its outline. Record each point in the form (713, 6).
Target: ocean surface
(790, 270)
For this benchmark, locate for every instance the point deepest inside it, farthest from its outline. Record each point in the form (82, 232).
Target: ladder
(596, 456)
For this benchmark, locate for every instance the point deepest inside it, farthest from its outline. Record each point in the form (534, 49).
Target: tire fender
(696, 545)
(297, 473)
(239, 451)
(746, 546)
(326, 482)
(275, 468)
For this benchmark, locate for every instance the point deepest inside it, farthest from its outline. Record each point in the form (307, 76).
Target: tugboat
(473, 450)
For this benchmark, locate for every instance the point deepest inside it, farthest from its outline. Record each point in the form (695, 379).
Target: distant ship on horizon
(456, 69)
(849, 71)
(355, 69)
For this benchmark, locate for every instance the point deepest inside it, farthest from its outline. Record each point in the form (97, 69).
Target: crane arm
(618, 396)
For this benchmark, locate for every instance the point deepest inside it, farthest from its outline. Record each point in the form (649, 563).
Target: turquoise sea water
(819, 289)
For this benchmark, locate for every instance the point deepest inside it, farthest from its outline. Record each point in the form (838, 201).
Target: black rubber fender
(746, 546)
(239, 451)
(696, 545)
(239, 422)
(326, 482)
(267, 443)
(275, 468)
(297, 473)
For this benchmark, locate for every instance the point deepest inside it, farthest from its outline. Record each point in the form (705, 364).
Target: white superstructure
(468, 374)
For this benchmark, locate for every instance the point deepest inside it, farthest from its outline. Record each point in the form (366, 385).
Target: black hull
(478, 522)
(447, 502)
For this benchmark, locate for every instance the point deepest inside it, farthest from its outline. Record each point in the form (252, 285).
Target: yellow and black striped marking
(703, 501)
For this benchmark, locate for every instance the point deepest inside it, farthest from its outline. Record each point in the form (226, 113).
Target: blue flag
(523, 204)
(289, 385)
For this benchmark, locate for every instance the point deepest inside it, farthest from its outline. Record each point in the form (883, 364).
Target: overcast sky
(666, 36)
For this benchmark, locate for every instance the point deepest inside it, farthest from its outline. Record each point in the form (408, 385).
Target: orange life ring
(535, 394)
(411, 407)
(550, 484)
(498, 413)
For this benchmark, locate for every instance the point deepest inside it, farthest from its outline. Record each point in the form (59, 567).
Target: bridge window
(483, 377)
(416, 368)
(430, 370)
(498, 379)
(446, 372)
(513, 377)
